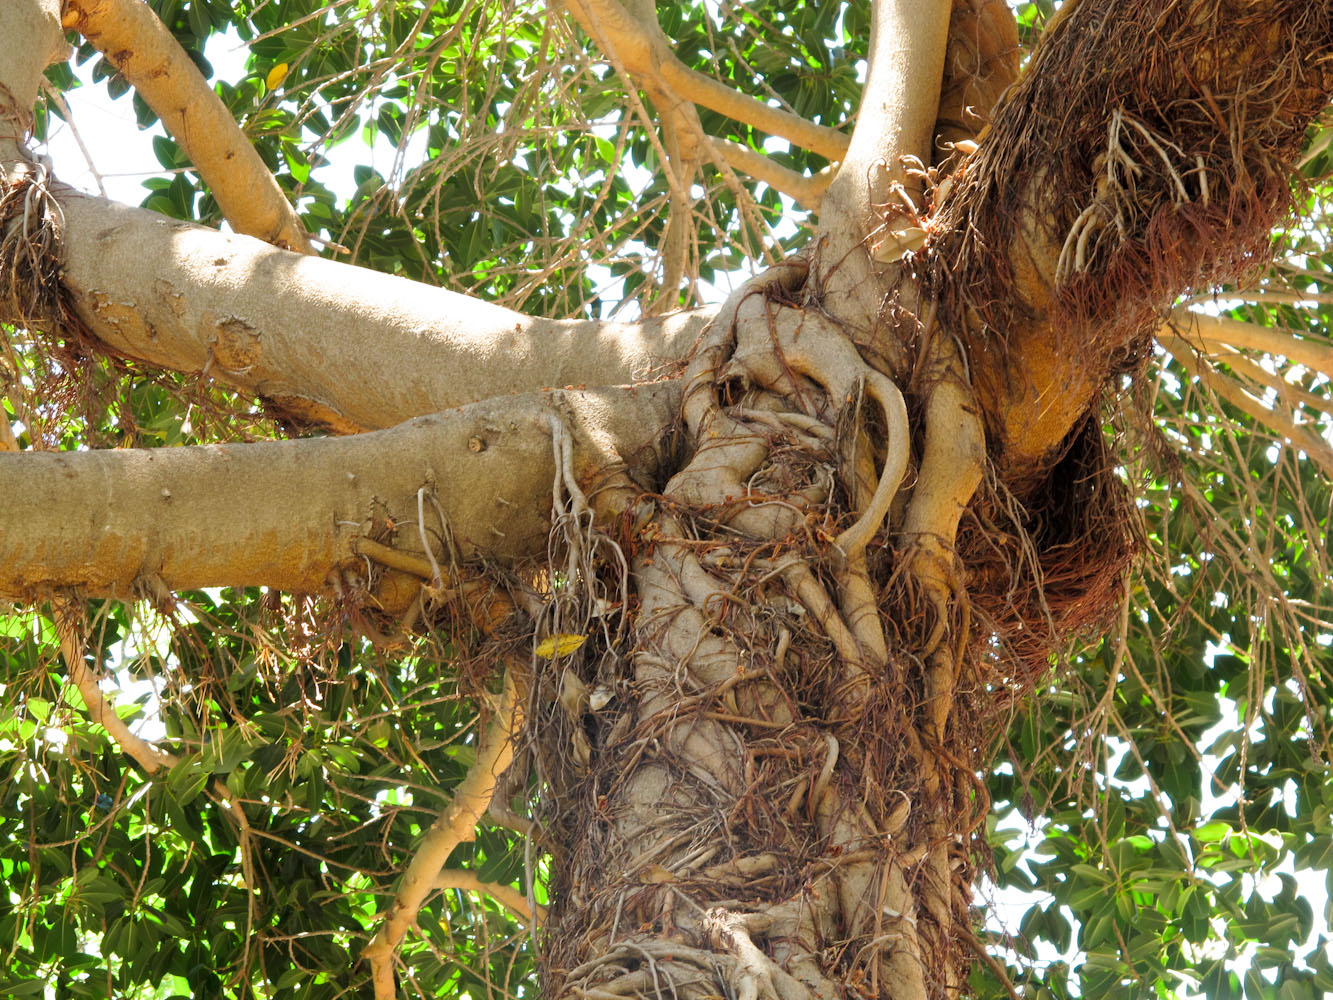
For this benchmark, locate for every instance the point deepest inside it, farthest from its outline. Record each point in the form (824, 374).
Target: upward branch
(896, 120)
(456, 824)
(1107, 187)
(647, 55)
(130, 35)
(289, 514)
(897, 116)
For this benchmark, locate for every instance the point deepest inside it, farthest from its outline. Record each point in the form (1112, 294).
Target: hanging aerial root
(31, 228)
(809, 347)
(952, 463)
(822, 352)
(68, 616)
(1144, 154)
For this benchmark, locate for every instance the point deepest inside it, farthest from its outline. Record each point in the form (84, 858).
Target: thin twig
(507, 896)
(456, 824)
(991, 963)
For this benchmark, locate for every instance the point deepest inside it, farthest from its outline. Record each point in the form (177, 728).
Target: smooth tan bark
(287, 514)
(908, 40)
(36, 27)
(895, 128)
(335, 343)
(646, 53)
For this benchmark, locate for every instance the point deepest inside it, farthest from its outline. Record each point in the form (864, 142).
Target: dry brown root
(748, 741)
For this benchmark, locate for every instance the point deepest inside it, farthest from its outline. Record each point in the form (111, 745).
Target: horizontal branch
(647, 56)
(1208, 331)
(288, 514)
(330, 342)
(806, 190)
(147, 55)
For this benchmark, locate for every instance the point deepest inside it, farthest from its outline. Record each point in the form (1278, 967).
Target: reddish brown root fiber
(1144, 153)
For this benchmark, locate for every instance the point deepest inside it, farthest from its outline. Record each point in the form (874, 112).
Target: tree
(749, 604)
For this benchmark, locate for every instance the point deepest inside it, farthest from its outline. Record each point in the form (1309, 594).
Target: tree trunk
(756, 813)
(780, 797)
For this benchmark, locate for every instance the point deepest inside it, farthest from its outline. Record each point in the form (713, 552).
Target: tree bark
(146, 54)
(780, 802)
(289, 514)
(330, 343)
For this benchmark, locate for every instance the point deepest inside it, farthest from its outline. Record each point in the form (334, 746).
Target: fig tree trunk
(894, 503)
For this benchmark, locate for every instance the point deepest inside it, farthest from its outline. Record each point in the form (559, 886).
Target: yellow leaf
(275, 76)
(561, 644)
(655, 874)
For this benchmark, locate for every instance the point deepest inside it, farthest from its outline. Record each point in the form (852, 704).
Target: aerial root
(719, 337)
(952, 464)
(821, 352)
(853, 541)
(31, 234)
(755, 976)
(68, 616)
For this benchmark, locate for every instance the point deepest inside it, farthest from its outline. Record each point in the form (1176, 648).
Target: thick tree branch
(33, 39)
(648, 56)
(329, 342)
(1102, 193)
(1210, 332)
(457, 824)
(288, 514)
(896, 120)
(130, 35)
